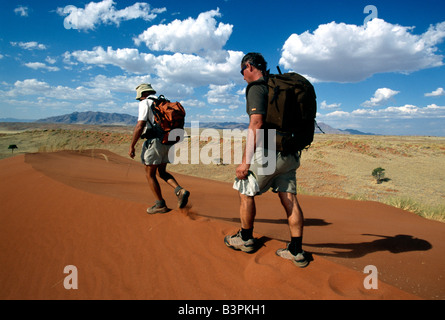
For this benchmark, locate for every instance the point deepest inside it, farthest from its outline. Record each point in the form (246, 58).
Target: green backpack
(291, 110)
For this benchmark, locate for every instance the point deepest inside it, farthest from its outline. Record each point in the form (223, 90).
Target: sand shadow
(394, 244)
(380, 181)
(307, 222)
(260, 242)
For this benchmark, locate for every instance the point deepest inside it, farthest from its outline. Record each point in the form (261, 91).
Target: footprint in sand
(349, 285)
(263, 270)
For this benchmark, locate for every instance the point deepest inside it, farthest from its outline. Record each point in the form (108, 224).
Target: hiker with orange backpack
(155, 150)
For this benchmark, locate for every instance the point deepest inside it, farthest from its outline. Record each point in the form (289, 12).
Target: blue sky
(377, 70)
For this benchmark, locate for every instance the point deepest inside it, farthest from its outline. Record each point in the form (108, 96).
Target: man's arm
(138, 129)
(256, 122)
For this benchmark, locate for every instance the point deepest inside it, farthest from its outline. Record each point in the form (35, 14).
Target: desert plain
(70, 196)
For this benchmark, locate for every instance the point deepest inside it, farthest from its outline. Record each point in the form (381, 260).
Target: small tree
(12, 147)
(378, 174)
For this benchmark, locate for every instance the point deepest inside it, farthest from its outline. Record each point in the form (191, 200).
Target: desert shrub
(12, 147)
(378, 174)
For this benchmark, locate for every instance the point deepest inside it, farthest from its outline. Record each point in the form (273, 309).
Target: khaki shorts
(154, 152)
(283, 179)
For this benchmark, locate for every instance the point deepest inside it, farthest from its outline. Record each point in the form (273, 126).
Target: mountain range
(104, 118)
(90, 117)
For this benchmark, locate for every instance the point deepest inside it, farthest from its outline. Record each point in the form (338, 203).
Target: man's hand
(138, 129)
(131, 152)
(256, 122)
(242, 171)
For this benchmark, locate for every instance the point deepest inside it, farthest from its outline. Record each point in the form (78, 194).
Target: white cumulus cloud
(395, 120)
(40, 65)
(342, 52)
(324, 105)
(202, 36)
(128, 59)
(381, 96)
(436, 93)
(223, 95)
(32, 45)
(199, 71)
(21, 11)
(407, 111)
(45, 90)
(180, 68)
(105, 12)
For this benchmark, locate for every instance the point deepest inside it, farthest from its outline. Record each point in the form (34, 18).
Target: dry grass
(335, 165)
(49, 137)
(342, 165)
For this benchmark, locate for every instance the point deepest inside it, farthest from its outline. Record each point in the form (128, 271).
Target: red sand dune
(88, 210)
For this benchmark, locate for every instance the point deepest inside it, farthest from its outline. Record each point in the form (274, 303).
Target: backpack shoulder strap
(153, 109)
(254, 83)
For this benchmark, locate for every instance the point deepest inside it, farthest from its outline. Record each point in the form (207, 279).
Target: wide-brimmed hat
(143, 88)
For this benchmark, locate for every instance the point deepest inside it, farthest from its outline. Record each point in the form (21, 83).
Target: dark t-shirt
(256, 97)
(256, 103)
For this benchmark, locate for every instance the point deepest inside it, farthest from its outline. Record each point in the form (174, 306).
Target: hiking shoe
(236, 242)
(157, 209)
(299, 260)
(183, 198)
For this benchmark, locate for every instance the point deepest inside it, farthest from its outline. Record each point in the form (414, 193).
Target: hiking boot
(159, 207)
(299, 260)
(183, 197)
(236, 242)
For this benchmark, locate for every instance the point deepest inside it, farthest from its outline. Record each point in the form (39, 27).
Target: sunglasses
(242, 69)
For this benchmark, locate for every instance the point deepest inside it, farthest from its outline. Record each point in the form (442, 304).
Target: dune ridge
(87, 209)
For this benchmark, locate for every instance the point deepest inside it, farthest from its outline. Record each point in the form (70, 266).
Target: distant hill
(91, 117)
(236, 125)
(104, 118)
(327, 129)
(221, 125)
(353, 131)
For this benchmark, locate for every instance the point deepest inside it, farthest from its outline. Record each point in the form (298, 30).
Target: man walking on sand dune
(154, 154)
(251, 180)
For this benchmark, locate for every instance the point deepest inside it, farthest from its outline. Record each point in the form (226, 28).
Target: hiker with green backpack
(157, 118)
(284, 103)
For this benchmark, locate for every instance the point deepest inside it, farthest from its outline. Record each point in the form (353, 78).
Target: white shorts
(154, 152)
(283, 179)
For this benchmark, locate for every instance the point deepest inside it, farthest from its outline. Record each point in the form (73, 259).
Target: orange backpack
(168, 116)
